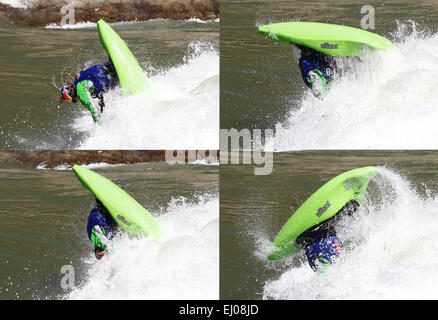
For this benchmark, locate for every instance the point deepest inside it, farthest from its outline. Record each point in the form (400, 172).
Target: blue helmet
(323, 251)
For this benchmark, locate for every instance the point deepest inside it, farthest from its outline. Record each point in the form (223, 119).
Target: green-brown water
(44, 216)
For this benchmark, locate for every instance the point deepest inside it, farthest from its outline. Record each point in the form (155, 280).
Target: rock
(45, 12)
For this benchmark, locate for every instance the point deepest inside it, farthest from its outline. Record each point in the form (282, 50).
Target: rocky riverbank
(55, 158)
(40, 13)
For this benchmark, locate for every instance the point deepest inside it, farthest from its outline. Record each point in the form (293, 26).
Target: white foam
(202, 21)
(397, 230)
(184, 265)
(93, 25)
(205, 162)
(388, 101)
(181, 113)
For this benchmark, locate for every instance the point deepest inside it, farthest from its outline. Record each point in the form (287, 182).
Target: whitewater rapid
(395, 233)
(386, 101)
(180, 112)
(183, 265)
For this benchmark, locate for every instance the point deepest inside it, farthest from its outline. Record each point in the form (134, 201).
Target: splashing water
(18, 3)
(181, 112)
(396, 236)
(183, 265)
(386, 101)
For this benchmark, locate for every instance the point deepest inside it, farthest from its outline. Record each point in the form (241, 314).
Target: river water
(181, 59)
(44, 214)
(387, 101)
(396, 228)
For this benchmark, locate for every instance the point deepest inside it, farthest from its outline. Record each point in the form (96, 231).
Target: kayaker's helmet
(323, 251)
(67, 93)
